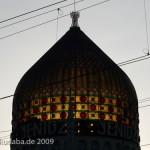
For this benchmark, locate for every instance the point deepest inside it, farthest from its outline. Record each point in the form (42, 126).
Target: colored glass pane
(53, 107)
(83, 115)
(110, 109)
(102, 100)
(83, 99)
(44, 117)
(44, 100)
(118, 102)
(118, 118)
(36, 110)
(92, 107)
(63, 98)
(73, 106)
(63, 115)
(102, 116)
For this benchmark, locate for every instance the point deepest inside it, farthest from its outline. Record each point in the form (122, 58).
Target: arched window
(82, 145)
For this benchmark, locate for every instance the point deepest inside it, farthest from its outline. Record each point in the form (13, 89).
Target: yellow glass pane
(105, 108)
(107, 117)
(96, 99)
(78, 107)
(114, 118)
(106, 101)
(31, 111)
(59, 107)
(77, 99)
(38, 116)
(77, 115)
(114, 102)
(115, 110)
(93, 116)
(97, 108)
(127, 121)
(40, 109)
(66, 106)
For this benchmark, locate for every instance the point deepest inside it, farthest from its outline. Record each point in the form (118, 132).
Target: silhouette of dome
(76, 84)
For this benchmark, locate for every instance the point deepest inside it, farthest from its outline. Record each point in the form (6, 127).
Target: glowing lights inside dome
(83, 107)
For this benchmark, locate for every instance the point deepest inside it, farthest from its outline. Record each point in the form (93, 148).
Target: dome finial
(74, 15)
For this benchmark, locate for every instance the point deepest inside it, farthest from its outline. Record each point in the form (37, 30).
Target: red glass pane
(36, 110)
(63, 115)
(44, 100)
(63, 99)
(102, 100)
(118, 102)
(44, 117)
(83, 115)
(92, 107)
(110, 109)
(53, 107)
(73, 106)
(83, 99)
(102, 116)
(118, 118)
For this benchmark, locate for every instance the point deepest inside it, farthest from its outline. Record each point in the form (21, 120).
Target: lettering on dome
(53, 128)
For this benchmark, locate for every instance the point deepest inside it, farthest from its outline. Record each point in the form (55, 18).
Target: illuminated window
(91, 131)
(78, 131)
(91, 124)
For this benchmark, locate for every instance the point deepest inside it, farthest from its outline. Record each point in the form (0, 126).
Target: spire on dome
(74, 15)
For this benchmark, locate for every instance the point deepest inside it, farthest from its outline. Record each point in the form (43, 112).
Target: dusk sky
(117, 27)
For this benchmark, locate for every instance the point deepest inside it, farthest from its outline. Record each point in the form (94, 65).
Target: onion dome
(76, 82)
